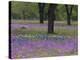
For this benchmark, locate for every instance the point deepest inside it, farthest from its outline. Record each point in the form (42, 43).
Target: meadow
(29, 39)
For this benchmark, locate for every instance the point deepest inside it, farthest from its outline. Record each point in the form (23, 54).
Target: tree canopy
(30, 11)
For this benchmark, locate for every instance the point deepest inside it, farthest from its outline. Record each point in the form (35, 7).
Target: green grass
(37, 22)
(34, 31)
(66, 32)
(25, 31)
(26, 21)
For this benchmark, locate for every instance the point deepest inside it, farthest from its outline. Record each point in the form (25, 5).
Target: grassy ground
(38, 30)
(33, 31)
(37, 22)
(22, 48)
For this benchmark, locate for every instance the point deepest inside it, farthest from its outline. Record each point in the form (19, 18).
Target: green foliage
(31, 11)
(60, 13)
(75, 13)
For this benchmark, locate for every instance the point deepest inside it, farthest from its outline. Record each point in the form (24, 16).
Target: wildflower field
(29, 39)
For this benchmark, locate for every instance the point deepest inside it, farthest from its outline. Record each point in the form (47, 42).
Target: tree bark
(69, 12)
(41, 11)
(23, 13)
(51, 17)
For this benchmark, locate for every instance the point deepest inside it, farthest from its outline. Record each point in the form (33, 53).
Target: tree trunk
(69, 12)
(41, 11)
(68, 19)
(51, 17)
(23, 13)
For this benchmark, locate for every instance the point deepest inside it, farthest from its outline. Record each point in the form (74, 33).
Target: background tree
(24, 10)
(51, 17)
(69, 12)
(30, 11)
(41, 11)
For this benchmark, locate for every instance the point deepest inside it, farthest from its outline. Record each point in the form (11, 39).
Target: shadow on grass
(54, 33)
